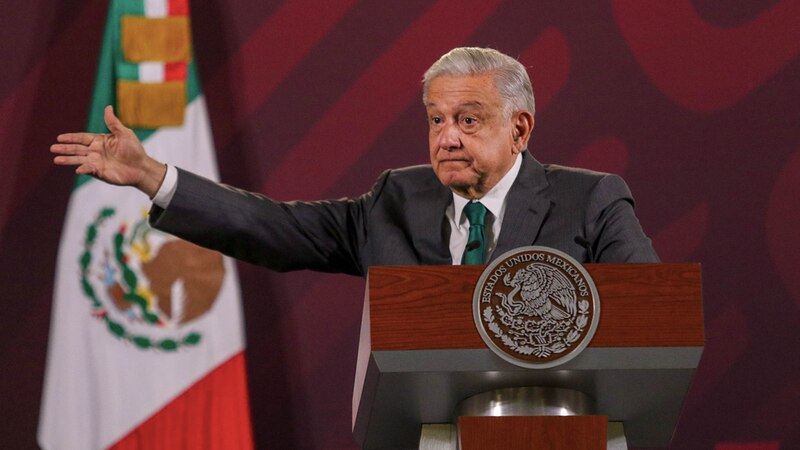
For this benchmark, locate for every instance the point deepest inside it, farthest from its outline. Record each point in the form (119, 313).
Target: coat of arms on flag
(146, 286)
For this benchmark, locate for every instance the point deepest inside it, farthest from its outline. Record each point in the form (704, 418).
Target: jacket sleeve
(612, 227)
(325, 236)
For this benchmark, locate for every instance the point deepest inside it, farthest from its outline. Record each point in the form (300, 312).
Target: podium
(420, 355)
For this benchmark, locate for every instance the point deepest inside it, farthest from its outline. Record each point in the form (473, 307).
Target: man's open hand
(117, 158)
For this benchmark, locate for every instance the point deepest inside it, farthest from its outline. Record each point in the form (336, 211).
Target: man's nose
(450, 137)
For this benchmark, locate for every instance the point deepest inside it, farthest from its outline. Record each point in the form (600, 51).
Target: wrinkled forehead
(462, 90)
(489, 77)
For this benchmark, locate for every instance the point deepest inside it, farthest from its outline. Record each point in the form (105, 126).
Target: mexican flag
(146, 340)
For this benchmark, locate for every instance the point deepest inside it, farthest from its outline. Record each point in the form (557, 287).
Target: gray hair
(511, 78)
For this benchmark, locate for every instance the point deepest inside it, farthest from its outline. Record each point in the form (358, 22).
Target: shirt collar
(492, 200)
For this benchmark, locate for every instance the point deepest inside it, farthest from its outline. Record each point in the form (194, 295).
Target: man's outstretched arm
(116, 158)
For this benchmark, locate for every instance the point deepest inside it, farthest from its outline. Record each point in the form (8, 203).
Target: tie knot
(476, 213)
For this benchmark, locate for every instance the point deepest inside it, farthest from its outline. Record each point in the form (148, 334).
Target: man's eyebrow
(469, 104)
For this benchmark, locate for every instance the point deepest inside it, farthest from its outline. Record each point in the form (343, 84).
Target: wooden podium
(420, 354)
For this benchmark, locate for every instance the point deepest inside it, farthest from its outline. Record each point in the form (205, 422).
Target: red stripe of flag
(213, 414)
(175, 71)
(178, 8)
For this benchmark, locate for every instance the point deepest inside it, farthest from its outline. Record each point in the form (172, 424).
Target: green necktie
(476, 244)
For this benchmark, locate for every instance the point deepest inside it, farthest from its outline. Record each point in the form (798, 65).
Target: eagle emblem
(545, 293)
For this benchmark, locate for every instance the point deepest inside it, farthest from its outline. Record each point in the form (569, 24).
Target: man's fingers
(69, 160)
(76, 138)
(69, 149)
(112, 122)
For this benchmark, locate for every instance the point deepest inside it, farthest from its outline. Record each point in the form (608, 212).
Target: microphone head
(580, 240)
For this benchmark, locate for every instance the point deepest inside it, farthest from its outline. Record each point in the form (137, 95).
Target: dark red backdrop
(696, 105)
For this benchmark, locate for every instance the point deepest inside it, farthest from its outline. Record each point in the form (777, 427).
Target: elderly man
(482, 195)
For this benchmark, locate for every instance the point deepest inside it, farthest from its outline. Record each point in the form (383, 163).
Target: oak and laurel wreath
(131, 283)
(542, 350)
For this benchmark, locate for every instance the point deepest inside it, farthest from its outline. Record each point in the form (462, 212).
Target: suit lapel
(432, 234)
(527, 207)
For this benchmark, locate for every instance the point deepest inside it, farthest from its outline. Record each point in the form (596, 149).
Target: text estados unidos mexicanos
(571, 271)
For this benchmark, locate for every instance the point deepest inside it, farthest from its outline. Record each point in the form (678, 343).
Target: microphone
(580, 240)
(472, 245)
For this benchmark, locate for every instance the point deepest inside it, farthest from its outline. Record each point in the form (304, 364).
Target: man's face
(472, 141)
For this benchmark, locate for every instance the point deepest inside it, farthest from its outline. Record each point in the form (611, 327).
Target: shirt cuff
(167, 189)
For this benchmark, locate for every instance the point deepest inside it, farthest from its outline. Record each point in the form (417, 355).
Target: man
(482, 195)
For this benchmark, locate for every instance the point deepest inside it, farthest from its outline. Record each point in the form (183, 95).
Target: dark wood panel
(430, 307)
(532, 432)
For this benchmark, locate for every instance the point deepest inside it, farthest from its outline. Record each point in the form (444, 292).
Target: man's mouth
(455, 160)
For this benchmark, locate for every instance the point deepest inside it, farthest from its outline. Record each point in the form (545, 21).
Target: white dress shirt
(167, 188)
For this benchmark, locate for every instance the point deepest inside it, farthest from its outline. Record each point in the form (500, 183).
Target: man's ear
(522, 128)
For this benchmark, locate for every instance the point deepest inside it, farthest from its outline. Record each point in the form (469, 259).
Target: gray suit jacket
(402, 221)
